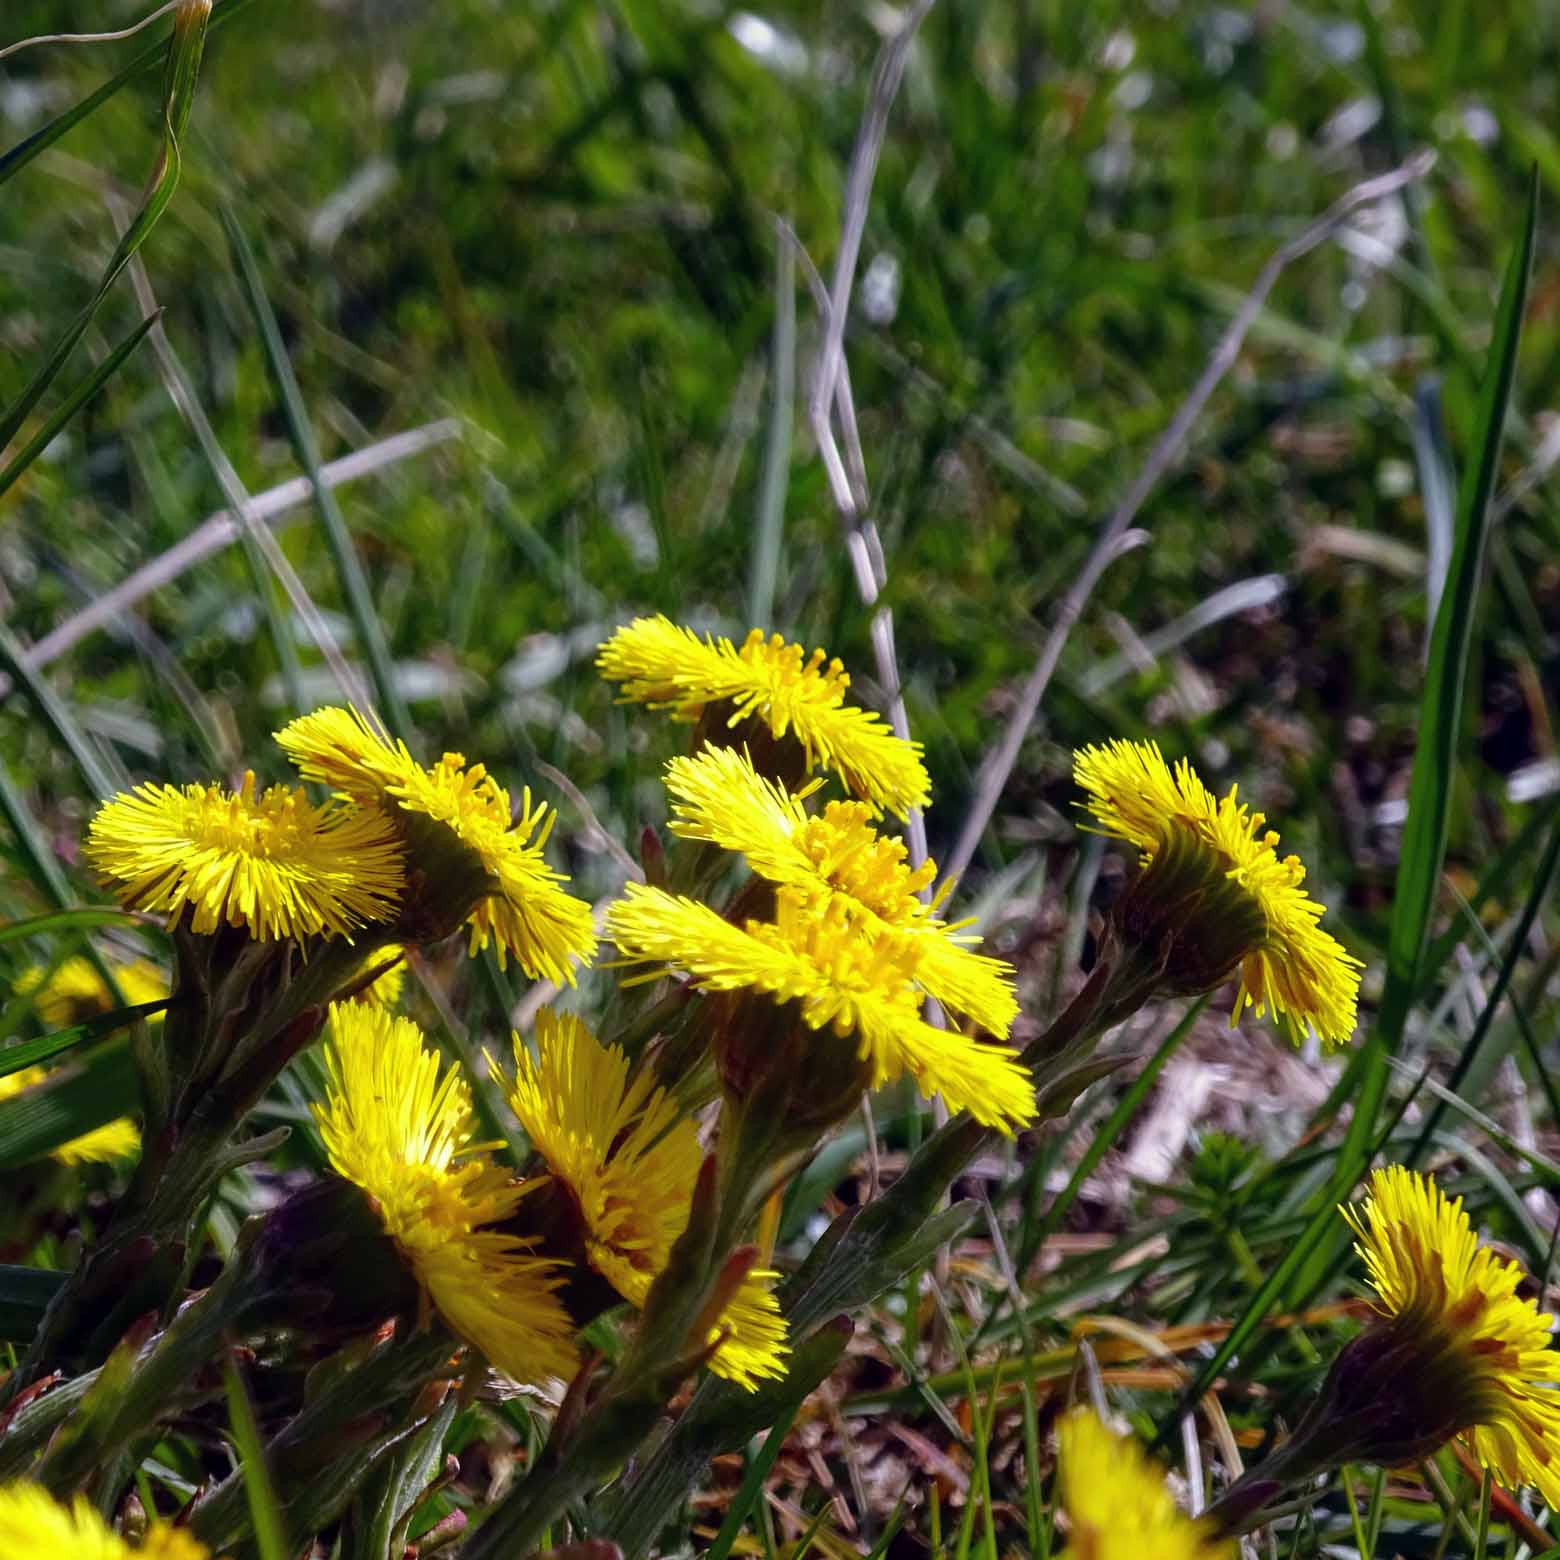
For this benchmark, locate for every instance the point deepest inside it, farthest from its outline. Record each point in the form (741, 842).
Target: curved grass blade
(96, 771)
(144, 63)
(1429, 810)
(184, 52)
(84, 919)
(349, 569)
(15, 1057)
(73, 403)
(35, 1123)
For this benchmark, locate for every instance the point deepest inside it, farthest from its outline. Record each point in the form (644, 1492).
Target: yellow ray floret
(114, 1140)
(718, 796)
(73, 991)
(271, 862)
(844, 977)
(34, 1526)
(1303, 974)
(1118, 1504)
(630, 1158)
(670, 667)
(401, 1128)
(528, 914)
(1429, 1269)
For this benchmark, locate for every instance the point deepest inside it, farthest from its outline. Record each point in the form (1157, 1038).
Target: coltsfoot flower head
(1216, 893)
(73, 991)
(1456, 1350)
(403, 1129)
(522, 908)
(271, 862)
(630, 1158)
(669, 667)
(1118, 1504)
(33, 1524)
(719, 797)
(853, 979)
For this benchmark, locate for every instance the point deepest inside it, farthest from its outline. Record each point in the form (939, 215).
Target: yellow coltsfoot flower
(525, 910)
(795, 694)
(1118, 1504)
(73, 991)
(35, 1526)
(852, 978)
(1217, 894)
(271, 862)
(719, 797)
(629, 1159)
(1462, 1351)
(402, 1128)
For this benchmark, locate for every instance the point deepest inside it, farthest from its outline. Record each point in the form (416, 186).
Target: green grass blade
(752, 1486)
(764, 568)
(100, 778)
(184, 52)
(13, 161)
(73, 403)
(42, 867)
(349, 569)
(34, 1124)
(84, 919)
(264, 1508)
(1451, 640)
(1516, 950)
(15, 1057)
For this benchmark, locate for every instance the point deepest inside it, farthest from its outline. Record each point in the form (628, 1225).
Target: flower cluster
(401, 1127)
(384, 848)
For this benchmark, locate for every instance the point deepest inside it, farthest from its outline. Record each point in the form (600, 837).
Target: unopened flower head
(1456, 1349)
(718, 796)
(73, 991)
(848, 977)
(526, 911)
(271, 862)
(1118, 1504)
(33, 1523)
(1263, 921)
(402, 1128)
(670, 667)
(630, 1158)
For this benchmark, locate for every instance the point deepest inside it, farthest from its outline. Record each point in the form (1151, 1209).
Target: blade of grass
(68, 921)
(72, 404)
(765, 565)
(184, 51)
(96, 769)
(35, 1123)
(15, 1057)
(264, 1509)
(752, 1486)
(349, 569)
(144, 63)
